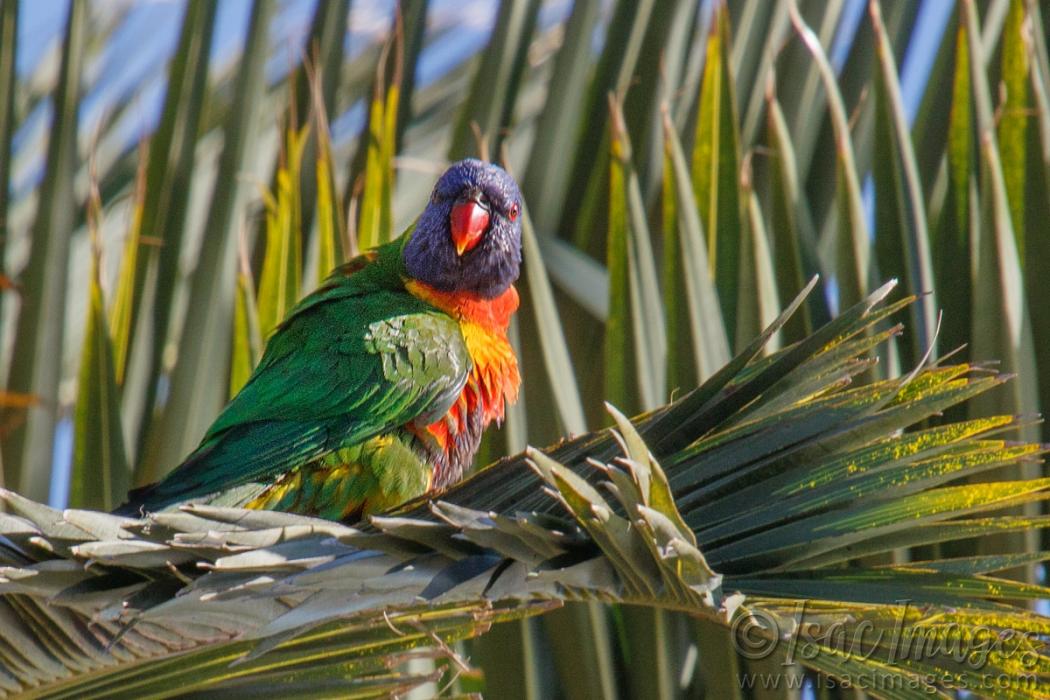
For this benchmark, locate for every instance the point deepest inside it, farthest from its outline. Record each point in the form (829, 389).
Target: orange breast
(494, 380)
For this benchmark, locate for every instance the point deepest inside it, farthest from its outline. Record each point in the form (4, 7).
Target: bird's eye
(513, 212)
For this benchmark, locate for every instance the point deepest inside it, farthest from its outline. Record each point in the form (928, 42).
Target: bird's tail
(170, 490)
(137, 504)
(234, 459)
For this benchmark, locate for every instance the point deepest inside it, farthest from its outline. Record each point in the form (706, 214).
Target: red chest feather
(494, 380)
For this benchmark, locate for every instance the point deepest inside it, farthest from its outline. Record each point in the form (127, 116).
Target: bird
(378, 386)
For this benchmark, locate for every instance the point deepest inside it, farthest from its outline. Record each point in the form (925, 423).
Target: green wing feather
(359, 357)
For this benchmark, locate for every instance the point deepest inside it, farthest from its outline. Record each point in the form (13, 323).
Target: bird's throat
(493, 314)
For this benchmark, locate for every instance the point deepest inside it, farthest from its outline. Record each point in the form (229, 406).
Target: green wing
(354, 360)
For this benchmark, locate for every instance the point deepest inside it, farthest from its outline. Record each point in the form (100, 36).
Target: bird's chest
(453, 439)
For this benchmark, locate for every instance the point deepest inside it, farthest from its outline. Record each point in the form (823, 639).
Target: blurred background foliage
(179, 174)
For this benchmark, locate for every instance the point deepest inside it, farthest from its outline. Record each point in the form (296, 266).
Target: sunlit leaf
(853, 264)
(803, 85)
(247, 336)
(951, 239)
(36, 362)
(8, 80)
(169, 178)
(902, 241)
(547, 175)
(99, 476)
(199, 381)
(124, 296)
(618, 370)
(790, 224)
(716, 168)
(332, 244)
(1015, 114)
(549, 327)
(279, 283)
(761, 303)
(490, 103)
(375, 224)
(1037, 199)
(694, 316)
(1001, 323)
(755, 55)
(316, 80)
(635, 317)
(329, 221)
(585, 196)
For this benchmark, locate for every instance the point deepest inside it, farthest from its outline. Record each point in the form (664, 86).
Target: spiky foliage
(95, 604)
(736, 165)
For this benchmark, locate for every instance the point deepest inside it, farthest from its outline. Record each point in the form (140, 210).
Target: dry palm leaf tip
(789, 475)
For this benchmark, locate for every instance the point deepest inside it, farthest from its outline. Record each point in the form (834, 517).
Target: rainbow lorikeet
(377, 386)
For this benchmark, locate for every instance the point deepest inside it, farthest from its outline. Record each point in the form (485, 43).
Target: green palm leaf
(97, 602)
(803, 466)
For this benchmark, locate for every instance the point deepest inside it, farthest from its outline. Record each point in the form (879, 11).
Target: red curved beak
(468, 222)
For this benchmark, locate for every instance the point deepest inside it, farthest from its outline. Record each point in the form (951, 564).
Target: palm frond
(801, 474)
(778, 473)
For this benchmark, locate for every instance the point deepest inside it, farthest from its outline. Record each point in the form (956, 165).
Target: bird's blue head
(468, 239)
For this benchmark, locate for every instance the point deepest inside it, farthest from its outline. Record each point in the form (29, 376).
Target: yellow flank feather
(495, 365)
(352, 482)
